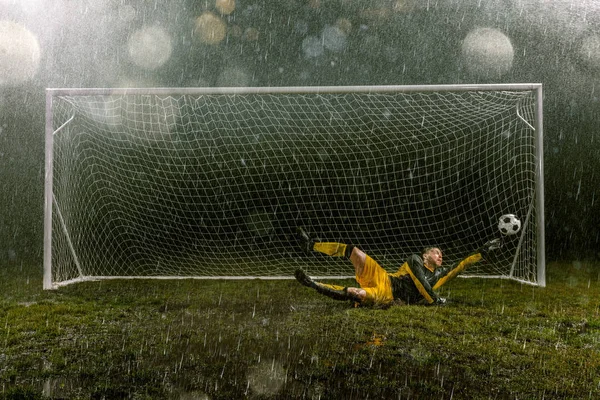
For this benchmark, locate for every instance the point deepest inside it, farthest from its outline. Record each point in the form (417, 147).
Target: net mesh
(215, 185)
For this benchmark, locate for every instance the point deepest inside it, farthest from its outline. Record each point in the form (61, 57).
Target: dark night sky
(116, 43)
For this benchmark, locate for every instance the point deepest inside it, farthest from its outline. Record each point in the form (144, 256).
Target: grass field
(193, 339)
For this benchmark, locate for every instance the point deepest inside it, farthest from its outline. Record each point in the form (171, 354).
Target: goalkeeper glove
(490, 245)
(440, 300)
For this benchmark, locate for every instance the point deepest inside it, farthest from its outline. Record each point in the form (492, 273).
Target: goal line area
(212, 183)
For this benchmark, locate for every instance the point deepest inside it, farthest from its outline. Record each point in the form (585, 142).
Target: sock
(330, 286)
(334, 249)
(348, 252)
(335, 292)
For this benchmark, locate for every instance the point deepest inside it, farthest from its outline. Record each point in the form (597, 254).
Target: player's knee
(358, 259)
(358, 256)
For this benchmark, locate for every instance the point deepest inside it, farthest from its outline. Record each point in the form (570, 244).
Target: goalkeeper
(415, 281)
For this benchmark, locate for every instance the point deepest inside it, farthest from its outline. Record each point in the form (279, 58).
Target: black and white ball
(509, 224)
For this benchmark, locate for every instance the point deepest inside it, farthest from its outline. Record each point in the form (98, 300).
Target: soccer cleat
(305, 241)
(304, 279)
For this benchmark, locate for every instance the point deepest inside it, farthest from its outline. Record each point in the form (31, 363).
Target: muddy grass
(277, 339)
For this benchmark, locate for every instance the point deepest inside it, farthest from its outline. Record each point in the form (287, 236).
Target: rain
(183, 184)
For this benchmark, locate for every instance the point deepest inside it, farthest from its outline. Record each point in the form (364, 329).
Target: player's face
(433, 258)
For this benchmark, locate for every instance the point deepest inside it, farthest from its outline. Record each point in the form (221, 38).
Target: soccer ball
(509, 224)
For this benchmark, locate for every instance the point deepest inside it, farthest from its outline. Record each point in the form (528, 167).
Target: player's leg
(335, 292)
(334, 249)
(374, 281)
(358, 258)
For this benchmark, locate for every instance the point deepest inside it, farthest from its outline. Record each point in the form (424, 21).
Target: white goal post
(213, 182)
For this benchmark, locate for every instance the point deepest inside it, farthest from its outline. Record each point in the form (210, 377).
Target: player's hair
(428, 249)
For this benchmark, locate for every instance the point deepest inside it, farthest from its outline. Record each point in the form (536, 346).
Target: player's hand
(490, 245)
(493, 244)
(440, 301)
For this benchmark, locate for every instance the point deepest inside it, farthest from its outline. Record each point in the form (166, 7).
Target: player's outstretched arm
(480, 253)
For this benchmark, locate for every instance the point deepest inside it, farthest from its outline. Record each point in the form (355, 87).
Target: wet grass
(193, 339)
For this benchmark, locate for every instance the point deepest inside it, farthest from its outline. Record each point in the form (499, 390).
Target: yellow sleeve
(472, 259)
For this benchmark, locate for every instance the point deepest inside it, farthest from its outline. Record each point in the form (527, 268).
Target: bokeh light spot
(20, 53)
(266, 378)
(233, 77)
(487, 53)
(589, 51)
(150, 47)
(225, 6)
(210, 29)
(312, 47)
(344, 25)
(334, 39)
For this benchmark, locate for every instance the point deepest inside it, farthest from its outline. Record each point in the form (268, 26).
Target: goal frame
(536, 88)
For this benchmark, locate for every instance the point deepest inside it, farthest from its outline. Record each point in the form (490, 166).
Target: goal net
(213, 183)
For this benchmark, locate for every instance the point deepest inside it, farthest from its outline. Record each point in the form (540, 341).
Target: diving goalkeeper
(415, 281)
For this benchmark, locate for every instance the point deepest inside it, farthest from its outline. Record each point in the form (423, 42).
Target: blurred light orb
(266, 378)
(150, 47)
(233, 77)
(251, 34)
(589, 52)
(487, 52)
(334, 39)
(127, 13)
(312, 47)
(28, 6)
(301, 27)
(195, 395)
(344, 25)
(210, 29)
(236, 31)
(225, 7)
(20, 53)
